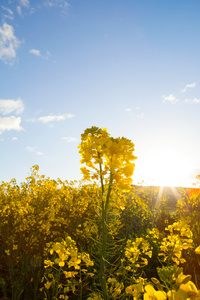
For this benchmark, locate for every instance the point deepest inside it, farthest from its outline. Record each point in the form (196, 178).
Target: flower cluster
(65, 268)
(105, 155)
(114, 287)
(177, 286)
(134, 252)
(178, 239)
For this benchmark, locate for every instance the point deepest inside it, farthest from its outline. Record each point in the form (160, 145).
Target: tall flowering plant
(110, 161)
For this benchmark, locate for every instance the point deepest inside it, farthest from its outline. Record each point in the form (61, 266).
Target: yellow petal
(197, 250)
(149, 289)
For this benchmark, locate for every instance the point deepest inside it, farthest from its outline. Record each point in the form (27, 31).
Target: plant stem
(104, 239)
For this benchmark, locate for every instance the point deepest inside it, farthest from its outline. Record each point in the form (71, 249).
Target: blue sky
(130, 66)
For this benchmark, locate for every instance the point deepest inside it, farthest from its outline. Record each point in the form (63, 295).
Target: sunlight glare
(167, 168)
(164, 167)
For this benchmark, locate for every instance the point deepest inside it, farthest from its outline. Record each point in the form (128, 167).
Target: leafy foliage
(99, 238)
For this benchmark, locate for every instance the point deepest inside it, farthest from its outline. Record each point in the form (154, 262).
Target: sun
(164, 167)
(167, 168)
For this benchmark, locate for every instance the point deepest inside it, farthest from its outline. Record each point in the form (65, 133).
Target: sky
(131, 66)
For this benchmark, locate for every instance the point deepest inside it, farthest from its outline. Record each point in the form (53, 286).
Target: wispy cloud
(19, 11)
(25, 7)
(30, 149)
(51, 118)
(8, 12)
(7, 9)
(33, 150)
(35, 52)
(39, 153)
(14, 138)
(192, 101)
(24, 3)
(32, 7)
(56, 3)
(38, 53)
(8, 106)
(171, 98)
(48, 54)
(8, 44)
(188, 86)
(195, 100)
(128, 109)
(32, 120)
(10, 123)
(141, 115)
(69, 139)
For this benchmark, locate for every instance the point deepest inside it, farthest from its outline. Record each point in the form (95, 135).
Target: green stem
(81, 288)
(109, 192)
(104, 239)
(101, 177)
(102, 257)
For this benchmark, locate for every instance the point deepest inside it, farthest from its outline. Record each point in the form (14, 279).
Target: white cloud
(30, 149)
(7, 17)
(8, 43)
(39, 153)
(187, 101)
(14, 138)
(191, 101)
(24, 3)
(47, 119)
(32, 120)
(69, 139)
(10, 123)
(171, 98)
(195, 100)
(48, 54)
(19, 11)
(128, 109)
(35, 52)
(7, 9)
(9, 12)
(188, 86)
(8, 106)
(141, 115)
(56, 3)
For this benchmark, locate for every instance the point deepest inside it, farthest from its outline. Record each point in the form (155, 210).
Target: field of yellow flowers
(99, 238)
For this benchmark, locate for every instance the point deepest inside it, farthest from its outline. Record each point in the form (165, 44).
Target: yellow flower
(15, 247)
(48, 263)
(69, 274)
(121, 205)
(7, 252)
(135, 290)
(63, 297)
(177, 295)
(152, 294)
(107, 155)
(197, 250)
(190, 288)
(129, 290)
(60, 262)
(48, 284)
